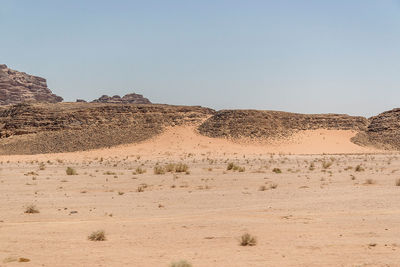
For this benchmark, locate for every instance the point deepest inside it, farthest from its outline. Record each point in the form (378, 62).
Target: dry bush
(326, 164)
(234, 167)
(370, 181)
(397, 182)
(140, 170)
(31, 209)
(97, 236)
(276, 170)
(248, 240)
(181, 167)
(159, 170)
(273, 186)
(70, 171)
(359, 168)
(181, 263)
(262, 188)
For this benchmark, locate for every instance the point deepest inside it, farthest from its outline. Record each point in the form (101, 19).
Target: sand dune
(180, 140)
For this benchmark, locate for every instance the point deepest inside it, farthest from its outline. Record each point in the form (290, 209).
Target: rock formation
(383, 131)
(126, 99)
(66, 127)
(274, 124)
(19, 87)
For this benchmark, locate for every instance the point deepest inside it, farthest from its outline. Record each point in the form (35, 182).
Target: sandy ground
(320, 211)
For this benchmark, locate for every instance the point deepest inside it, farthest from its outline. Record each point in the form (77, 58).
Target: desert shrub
(312, 166)
(262, 188)
(181, 263)
(230, 166)
(70, 171)
(234, 167)
(369, 181)
(248, 240)
(140, 170)
(273, 186)
(170, 167)
(277, 170)
(97, 236)
(159, 170)
(397, 182)
(326, 164)
(359, 168)
(31, 209)
(181, 167)
(109, 173)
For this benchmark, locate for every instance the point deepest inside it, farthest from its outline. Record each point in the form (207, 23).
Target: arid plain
(316, 199)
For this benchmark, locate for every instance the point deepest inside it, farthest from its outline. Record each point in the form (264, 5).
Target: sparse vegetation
(234, 167)
(397, 182)
(140, 170)
(369, 181)
(359, 168)
(276, 170)
(31, 209)
(248, 240)
(70, 171)
(97, 236)
(159, 170)
(181, 263)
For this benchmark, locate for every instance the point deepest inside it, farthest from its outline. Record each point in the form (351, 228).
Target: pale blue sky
(310, 56)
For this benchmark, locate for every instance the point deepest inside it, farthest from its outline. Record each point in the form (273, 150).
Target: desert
(179, 184)
(200, 133)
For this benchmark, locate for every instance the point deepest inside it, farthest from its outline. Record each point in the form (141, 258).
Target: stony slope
(383, 131)
(19, 87)
(66, 127)
(274, 124)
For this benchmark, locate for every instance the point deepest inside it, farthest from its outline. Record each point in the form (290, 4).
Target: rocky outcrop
(66, 127)
(19, 87)
(383, 131)
(126, 99)
(274, 124)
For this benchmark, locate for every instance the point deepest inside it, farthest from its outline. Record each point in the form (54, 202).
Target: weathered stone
(19, 87)
(126, 99)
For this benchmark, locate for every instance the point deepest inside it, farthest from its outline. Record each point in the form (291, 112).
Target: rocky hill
(19, 87)
(66, 127)
(126, 99)
(383, 131)
(274, 124)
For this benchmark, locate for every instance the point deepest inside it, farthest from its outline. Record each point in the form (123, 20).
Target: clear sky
(310, 56)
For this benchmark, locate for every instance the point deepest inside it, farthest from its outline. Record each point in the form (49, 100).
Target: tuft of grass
(181, 167)
(359, 168)
(31, 209)
(181, 263)
(248, 240)
(234, 167)
(99, 235)
(70, 171)
(276, 170)
(159, 170)
(140, 170)
(273, 186)
(230, 166)
(370, 181)
(326, 164)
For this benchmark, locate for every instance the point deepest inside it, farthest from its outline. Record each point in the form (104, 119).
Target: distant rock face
(274, 124)
(19, 87)
(383, 131)
(126, 99)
